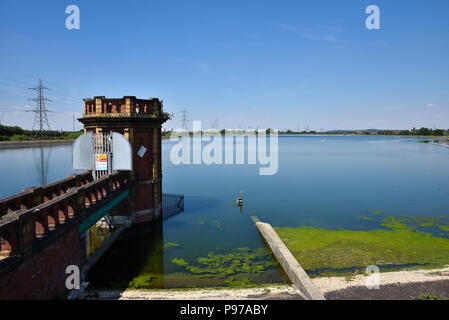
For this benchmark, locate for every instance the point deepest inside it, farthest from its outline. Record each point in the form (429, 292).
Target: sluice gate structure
(43, 230)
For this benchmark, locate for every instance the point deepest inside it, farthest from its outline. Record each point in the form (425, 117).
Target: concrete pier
(288, 262)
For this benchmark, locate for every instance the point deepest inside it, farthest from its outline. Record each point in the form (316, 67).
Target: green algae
(366, 218)
(142, 281)
(376, 212)
(317, 248)
(242, 283)
(402, 243)
(171, 244)
(240, 260)
(218, 224)
(430, 297)
(412, 223)
(179, 262)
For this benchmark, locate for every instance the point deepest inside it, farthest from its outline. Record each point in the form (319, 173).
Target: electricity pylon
(184, 119)
(40, 113)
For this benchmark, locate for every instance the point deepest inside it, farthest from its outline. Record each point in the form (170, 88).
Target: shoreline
(37, 143)
(396, 285)
(444, 139)
(32, 143)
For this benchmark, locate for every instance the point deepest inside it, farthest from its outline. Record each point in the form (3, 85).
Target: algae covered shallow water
(332, 202)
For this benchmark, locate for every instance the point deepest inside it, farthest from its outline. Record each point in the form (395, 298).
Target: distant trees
(414, 131)
(419, 132)
(15, 133)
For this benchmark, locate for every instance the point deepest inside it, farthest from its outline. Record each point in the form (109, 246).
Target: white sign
(101, 161)
(142, 151)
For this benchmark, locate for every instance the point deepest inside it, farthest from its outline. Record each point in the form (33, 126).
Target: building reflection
(136, 259)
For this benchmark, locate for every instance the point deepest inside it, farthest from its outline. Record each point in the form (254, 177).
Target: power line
(55, 93)
(58, 105)
(17, 81)
(12, 86)
(13, 95)
(40, 117)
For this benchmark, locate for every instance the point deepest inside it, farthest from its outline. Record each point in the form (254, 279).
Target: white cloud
(22, 108)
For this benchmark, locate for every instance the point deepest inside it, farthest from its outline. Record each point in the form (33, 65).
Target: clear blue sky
(272, 63)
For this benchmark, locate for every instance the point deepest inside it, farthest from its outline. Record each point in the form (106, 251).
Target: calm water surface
(320, 184)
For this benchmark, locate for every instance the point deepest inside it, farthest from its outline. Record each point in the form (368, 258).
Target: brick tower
(140, 122)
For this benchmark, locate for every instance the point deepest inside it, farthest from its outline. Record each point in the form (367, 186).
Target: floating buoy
(240, 199)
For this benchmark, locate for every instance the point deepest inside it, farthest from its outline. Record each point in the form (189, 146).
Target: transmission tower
(184, 119)
(40, 113)
(1, 117)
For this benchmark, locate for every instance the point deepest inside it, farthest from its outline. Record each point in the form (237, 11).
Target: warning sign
(101, 161)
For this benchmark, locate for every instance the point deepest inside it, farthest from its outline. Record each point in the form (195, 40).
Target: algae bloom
(241, 260)
(398, 244)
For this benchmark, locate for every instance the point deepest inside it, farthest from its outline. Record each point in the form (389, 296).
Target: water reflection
(34, 166)
(41, 160)
(139, 251)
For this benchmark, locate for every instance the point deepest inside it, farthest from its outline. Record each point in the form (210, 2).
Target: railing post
(9, 244)
(38, 196)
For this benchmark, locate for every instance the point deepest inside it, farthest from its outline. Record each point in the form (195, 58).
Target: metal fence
(172, 204)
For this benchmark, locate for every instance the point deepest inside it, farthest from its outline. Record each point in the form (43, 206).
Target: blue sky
(275, 64)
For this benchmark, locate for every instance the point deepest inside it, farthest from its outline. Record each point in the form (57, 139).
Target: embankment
(32, 143)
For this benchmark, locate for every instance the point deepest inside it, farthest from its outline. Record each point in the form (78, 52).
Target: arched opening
(41, 226)
(70, 211)
(5, 247)
(62, 214)
(52, 221)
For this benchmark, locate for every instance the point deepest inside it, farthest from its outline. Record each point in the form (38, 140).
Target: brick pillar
(141, 129)
(98, 105)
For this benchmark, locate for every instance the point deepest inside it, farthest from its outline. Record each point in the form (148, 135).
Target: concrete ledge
(289, 263)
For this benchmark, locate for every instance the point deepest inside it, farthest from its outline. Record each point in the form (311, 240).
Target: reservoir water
(325, 184)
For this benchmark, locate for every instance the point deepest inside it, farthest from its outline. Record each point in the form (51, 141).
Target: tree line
(412, 132)
(15, 133)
